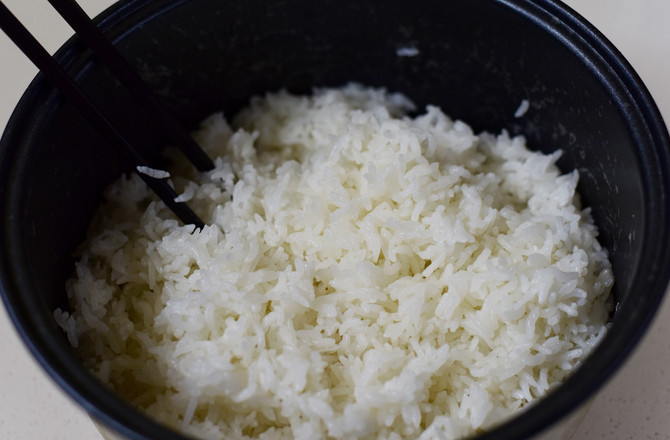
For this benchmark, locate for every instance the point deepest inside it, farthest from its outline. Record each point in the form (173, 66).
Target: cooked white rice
(365, 275)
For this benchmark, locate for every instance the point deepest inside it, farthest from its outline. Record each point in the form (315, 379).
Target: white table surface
(635, 404)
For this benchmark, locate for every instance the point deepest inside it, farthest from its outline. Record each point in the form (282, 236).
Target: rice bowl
(476, 60)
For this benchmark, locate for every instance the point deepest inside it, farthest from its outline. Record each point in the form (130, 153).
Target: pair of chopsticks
(117, 65)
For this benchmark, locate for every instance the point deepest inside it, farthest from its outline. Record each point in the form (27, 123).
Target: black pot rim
(584, 41)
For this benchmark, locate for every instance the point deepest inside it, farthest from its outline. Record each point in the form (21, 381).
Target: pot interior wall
(210, 56)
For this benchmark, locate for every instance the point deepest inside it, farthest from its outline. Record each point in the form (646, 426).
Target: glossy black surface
(476, 59)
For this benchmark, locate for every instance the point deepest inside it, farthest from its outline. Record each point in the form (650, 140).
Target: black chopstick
(112, 59)
(54, 73)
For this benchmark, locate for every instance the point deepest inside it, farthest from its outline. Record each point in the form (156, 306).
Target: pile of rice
(364, 275)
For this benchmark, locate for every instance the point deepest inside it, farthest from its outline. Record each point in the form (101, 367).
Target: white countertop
(635, 404)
